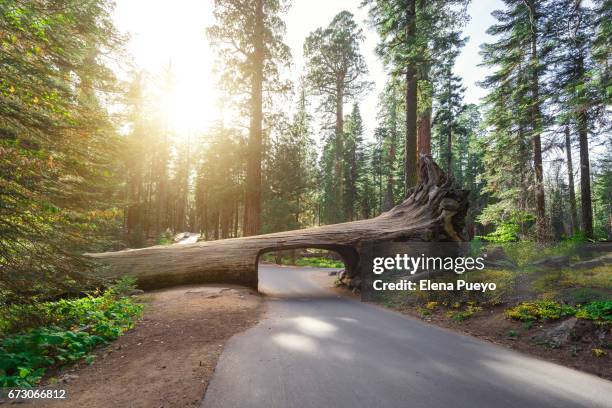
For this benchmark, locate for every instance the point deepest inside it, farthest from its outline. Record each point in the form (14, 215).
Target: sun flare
(190, 106)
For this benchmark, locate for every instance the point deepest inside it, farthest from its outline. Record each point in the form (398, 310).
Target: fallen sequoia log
(433, 211)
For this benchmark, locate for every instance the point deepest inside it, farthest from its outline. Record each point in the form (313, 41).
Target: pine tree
(353, 164)
(335, 71)
(248, 35)
(518, 57)
(389, 135)
(449, 105)
(58, 149)
(290, 175)
(414, 34)
(219, 181)
(576, 86)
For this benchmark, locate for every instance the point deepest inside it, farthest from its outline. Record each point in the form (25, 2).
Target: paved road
(317, 350)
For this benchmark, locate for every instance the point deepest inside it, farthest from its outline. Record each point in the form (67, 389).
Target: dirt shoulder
(491, 325)
(168, 359)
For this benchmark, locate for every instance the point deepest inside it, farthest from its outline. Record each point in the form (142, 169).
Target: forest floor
(168, 359)
(492, 325)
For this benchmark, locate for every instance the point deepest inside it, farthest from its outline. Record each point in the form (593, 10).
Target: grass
(598, 277)
(317, 262)
(66, 331)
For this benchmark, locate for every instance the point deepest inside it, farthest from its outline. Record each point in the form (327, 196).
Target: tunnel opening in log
(346, 254)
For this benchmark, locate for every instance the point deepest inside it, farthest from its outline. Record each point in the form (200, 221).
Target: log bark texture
(433, 211)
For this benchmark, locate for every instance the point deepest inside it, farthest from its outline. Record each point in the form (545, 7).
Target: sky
(163, 32)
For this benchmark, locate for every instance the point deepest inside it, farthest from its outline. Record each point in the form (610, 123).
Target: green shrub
(73, 328)
(599, 310)
(540, 310)
(505, 232)
(463, 315)
(165, 238)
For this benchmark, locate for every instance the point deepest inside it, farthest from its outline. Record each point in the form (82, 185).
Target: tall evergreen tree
(353, 164)
(576, 86)
(290, 176)
(58, 149)
(414, 34)
(335, 70)
(248, 34)
(518, 58)
(449, 105)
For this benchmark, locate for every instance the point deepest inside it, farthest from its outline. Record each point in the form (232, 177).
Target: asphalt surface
(314, 349)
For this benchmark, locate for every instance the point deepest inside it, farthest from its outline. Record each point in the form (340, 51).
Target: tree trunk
(586, 204)
(252, 204)
(411, 157)
(536, 123)
(449, 140)
(339, 153)
(388, 203)
(435, 211)
(570, 182)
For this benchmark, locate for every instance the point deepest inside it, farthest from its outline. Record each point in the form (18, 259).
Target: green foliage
(165, 238)
(577, 296)
(546, 310)
(540, 310)
(72, 329)
(336, 84)
(577, 237)
(58, 154)
(290, 174)
(598, 311)
(319, 262)
(505, 232)
(508, 228)
(467, 313)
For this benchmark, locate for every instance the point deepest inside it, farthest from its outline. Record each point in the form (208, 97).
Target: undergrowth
(547, 310)
(69, 330)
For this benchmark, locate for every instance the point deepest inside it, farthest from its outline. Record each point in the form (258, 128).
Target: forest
(89, 161)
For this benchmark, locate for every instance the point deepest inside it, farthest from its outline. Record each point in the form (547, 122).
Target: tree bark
(570, 182)
(536, 123)
(586, 204)
(435, 211)
(252, 205)
(339, 153)
(388, 202)
(449, 141)
(411, 157)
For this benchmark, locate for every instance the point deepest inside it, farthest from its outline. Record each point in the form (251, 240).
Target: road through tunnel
(290, 271)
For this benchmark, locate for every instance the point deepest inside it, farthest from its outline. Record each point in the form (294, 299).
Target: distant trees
(219, 183)
(414, 34)
(335, 71)
(157, 166)
(388, 136)
(290, 175)
(449, 106)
